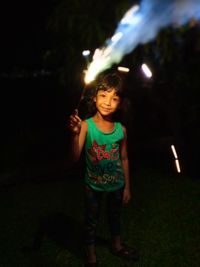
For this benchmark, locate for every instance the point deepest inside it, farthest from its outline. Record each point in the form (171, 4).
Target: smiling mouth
(106, 109)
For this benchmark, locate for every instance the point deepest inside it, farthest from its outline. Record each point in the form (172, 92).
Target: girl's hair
(110, 81)
(107, 83)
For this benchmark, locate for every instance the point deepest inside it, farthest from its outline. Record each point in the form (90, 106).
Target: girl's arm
(78, 130)
(125, 164)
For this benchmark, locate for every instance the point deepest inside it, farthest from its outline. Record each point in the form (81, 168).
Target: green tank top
(104, 170)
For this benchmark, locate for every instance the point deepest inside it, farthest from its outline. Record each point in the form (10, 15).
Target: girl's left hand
(126, 196)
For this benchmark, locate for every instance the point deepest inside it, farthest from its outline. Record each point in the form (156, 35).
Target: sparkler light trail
(176, 159)
(139, 25)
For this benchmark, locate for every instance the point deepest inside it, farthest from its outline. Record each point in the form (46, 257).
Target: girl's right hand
(74, 124)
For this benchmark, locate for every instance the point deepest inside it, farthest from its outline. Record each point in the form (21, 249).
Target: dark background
(41, 81)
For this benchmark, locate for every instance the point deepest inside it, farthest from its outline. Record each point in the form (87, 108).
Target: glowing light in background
(146, 70)
(123, 69)
(86, 53)
(177, 165)
(174, 151)
(176, 159)
(139, 25)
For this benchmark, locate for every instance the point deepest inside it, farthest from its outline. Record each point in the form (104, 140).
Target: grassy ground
(41, 223)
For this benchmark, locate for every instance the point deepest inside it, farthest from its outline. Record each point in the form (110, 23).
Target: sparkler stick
(81, 97)
(85, 53)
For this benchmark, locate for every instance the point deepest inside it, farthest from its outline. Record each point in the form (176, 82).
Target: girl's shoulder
(88, 121)
(123, 129)
(84, 126)
(121, 125)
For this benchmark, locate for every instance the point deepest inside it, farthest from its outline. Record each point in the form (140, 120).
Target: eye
(102, 95)
(116, 98)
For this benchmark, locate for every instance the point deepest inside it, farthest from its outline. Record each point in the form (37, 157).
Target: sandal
(126, 253)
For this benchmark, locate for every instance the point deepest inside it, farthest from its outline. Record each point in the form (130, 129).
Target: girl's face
(107, 102)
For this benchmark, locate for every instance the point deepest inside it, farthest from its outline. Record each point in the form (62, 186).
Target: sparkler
(81, 98)
(139, 25)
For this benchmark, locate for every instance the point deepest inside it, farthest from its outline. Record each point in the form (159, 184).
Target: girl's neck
(105, 124)
(99, 118)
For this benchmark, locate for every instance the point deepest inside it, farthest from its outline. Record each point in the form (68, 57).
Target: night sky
(23, 32)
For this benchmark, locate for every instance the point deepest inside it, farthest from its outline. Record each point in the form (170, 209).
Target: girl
(107, 164)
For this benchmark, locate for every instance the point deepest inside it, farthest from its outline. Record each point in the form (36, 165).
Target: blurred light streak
(146, 70)
(174, 151)
(176, 158)
(123, 69)
(177, 166)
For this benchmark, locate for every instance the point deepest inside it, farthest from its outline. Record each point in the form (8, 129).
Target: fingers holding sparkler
(74, 124)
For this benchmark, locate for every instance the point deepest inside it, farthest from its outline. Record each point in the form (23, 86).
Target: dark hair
(109, 82)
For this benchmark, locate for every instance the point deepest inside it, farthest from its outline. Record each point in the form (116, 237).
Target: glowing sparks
(104, 58)
(123, 69)
(117, 37)
(101, 59)
(146, 70)
(139, 25)
(129, 17)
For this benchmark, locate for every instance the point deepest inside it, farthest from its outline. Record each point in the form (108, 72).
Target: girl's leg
(92, 210)
(114, 204)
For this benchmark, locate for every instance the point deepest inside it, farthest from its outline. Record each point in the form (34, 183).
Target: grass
(41, 222)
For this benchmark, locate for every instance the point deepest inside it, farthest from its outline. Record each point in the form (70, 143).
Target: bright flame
(146, 70)
(123, 69)
(117, 37)
(128, 17)
(101, 60)
(140, 25)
